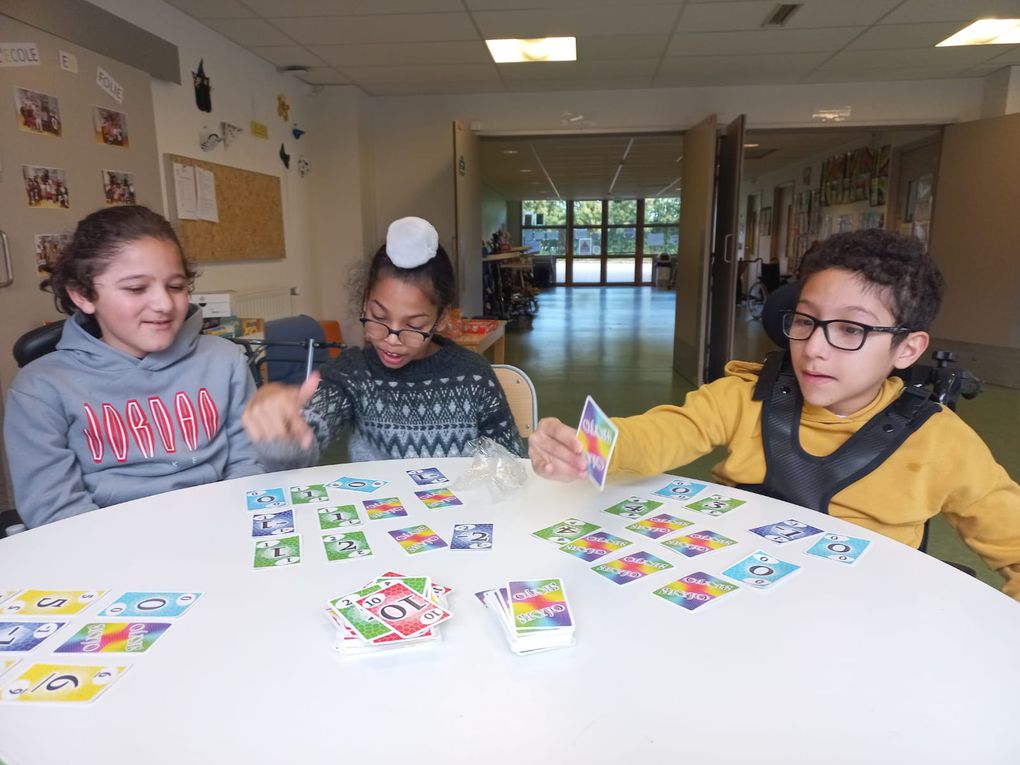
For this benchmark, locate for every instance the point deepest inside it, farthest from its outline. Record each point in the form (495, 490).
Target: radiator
(273, 303)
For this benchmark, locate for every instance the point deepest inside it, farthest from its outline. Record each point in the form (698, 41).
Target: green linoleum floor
(616, 344)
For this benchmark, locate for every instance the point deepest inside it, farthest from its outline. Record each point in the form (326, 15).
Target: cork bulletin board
(250, 213)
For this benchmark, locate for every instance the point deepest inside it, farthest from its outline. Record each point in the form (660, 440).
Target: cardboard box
(214, 304)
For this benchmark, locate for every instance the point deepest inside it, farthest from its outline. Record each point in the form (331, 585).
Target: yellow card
(50, 602)
(6, 664)
(61, 683)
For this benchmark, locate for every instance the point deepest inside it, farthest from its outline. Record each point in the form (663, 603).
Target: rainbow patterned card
(597, 434)
(114, 637)
(659, 525)
(435, 499)
(633, 508)
(379, 509)
(538, 604)
(695, 590)
(698, 543)
(715, 505)
(61, 683)
(680, 488)
(417, 539)
(594, 546)
(631, 567)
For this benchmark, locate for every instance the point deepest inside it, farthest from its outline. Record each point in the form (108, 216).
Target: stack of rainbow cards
(698, 543)
(380, 509)
(597, 434)
(633, 508)
(658, 525)
(417, 539)
(534, 614)
(695, 590)
(434, 499)
(594, 546)
(631, 567)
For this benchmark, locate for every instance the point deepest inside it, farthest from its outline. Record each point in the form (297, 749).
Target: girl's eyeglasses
(412, 338)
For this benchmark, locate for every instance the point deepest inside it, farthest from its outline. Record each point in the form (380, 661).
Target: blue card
(24, 636)
(270, 524)
(472, 536)
(680, 488)
(839, 548)
(760, 570)
(161, 604)
(427, 476)
(265, 499)
(785, 531)
(366, 485)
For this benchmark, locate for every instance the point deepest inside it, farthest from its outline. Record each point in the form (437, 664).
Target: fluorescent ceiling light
(751, 145)
(986, 32)
(540, 49)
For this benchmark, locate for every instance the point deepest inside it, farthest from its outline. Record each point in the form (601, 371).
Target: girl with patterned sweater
(409, 392)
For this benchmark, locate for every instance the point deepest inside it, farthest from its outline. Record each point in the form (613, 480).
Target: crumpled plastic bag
(494, 465)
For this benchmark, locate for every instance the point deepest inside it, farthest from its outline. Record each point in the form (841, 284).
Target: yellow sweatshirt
(943, 467)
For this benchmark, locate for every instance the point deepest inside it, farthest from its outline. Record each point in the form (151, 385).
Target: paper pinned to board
(184, 192)
(206, 184)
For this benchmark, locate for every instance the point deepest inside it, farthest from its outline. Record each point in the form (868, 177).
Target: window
(662, 226)
(544, 226)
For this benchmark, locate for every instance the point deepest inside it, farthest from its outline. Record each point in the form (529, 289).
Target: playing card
(350, 544)
(785, 531)
(24, 636)
(566, 531)
(404, 610)
(160, 605)
(472, 536)
(380, 509)
(366, 485)
(114, 637)
(265, 499)
(427, 476)
(597, 434)
(760, 570)
(272, 524)
(698, 543)
(680, 489)
(715, 505)
(434, 499)
(277, 552)
(594, 546)
(695, 590)
(631, 567)
(538, 604)
(366, 625)
(308, 495)
(659, 525)
(839, 548)
(417, 539)
(61, 683)
(6, 664)
(338, 517)
(50, 602)
(633, 507)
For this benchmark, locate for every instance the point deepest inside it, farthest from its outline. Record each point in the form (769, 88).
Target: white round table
(897, 659)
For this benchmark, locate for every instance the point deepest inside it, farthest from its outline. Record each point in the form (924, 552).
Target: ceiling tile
(895, 36)
(606, 83)
(323, 75)
(952, 10)
(579, 69)
(584, 5)
(891, 61)
(762, 41)
(249, 32)
(288, 55)
(1010, 57)
(793, 63)
(400, 54)
(275, 8)
(432, 88)
(881, 75)
(355, 30)
(213, 9)
(611, 46)
(564, 22)
(386, 75)
(751, 14)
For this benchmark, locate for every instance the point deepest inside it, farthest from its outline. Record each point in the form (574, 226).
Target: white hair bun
(411, 242)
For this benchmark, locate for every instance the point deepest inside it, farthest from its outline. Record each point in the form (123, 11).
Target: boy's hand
(555, 451)
(274, 413)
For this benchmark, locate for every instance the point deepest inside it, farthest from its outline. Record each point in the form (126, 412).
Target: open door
(467, 246)
(722, 289)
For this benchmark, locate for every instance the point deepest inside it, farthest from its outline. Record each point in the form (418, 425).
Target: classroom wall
(494, 213)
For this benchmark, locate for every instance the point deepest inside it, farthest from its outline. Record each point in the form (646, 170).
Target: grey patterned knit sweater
(429, 408)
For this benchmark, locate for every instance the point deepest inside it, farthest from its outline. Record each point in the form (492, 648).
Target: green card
(350, 544)
(338, 517)
(633, 508)
(279, 552)
(566, 531)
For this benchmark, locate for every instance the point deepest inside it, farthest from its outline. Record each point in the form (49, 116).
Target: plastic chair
(331, 329)
(520, 394)
(289, 359)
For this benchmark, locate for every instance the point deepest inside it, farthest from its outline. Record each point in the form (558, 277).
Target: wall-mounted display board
(248, 212)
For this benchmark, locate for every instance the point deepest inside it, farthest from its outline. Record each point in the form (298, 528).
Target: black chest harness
(793, 475)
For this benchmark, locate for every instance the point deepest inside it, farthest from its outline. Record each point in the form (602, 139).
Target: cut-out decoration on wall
(46, 186)
(208, 140)
(110, 126)
(108, 85)
(118, 187)
(303, 167)
(296, 131)
(283, 108)
(230, 133)
(284, 157)
(259, 129)
(37, 112)
(203, 88)
(68, 61)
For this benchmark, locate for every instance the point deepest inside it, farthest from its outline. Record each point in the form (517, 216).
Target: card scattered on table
(837, 547)
(631, 567)
(566, 531)
(338, 517)
(349, 544)
(115, 637)
(659, 525)
(366, 485)
(61, 683)
(309, 495)
(760, 570)
(680, 488)
(695, 590)
(698, 543)
(380, 509)
(49, 602)
(277, 552)
(265, 499)
(534, 614)
(633, 508)
(427, 476)
(594, 546)
(434, 499)
(417, 539)
(785, 531)
(272, 524)
(24, 636)
(472, 536)
(160, 605)
(715, 505)
(597, 434)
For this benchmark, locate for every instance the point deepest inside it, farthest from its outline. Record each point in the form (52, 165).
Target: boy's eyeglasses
(412, 338)
(839, 333)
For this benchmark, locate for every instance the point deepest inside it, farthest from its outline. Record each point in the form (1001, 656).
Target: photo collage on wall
(861, 175)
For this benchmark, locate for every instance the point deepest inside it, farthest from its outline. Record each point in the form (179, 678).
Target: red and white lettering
(164, 425)
(140, 428)
(116, 433)
(209, 413)
(185, 412)
(94, 435)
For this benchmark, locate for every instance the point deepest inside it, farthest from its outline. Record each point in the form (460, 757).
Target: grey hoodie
(88, 425)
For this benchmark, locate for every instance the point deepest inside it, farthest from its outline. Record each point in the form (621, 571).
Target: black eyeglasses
(839, 333)
(412, 338)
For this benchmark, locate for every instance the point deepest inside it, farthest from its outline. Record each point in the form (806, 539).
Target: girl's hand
(274, 413)
(555, 451)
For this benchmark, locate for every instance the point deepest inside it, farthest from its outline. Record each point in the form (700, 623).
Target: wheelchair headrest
(783, 298)
(37, 342)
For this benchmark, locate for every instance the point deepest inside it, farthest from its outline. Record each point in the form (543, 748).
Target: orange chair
(333, 335)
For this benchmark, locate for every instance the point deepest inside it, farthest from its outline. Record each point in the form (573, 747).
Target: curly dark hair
(435, 277)
(894, 265)
(96, 240)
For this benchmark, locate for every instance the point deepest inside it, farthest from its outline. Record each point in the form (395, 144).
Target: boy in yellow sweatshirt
(864, 309)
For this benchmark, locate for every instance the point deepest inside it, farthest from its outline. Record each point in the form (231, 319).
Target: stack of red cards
(534, 613)
(392, 611)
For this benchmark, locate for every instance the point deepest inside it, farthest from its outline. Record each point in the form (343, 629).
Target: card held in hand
(597, 434)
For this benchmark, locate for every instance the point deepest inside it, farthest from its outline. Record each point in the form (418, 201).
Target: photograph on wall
(118, 187)
(37, 112)
(46, 187)
(110, 126)
(47, 247)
